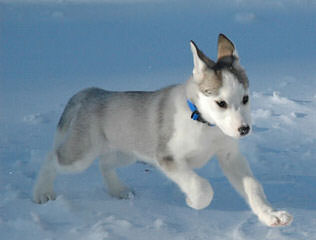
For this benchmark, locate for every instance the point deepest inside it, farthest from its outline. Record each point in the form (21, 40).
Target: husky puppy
(176, 129)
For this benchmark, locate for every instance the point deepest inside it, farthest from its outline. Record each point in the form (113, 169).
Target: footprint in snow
(299, 115)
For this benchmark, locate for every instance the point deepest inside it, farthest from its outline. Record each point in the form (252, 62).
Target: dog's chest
(194, 142)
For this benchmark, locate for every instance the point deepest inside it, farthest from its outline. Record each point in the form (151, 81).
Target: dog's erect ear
(225, 47)
(200, 60)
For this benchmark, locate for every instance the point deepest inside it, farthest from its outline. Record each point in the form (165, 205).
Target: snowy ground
(49, 51)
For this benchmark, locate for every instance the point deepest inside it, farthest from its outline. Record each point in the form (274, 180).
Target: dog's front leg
(199, 193)
(237, 170)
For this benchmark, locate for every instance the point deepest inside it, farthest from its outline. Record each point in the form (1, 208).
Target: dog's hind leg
(73, 152)
(44, 187)
(43, 190)
(108, 164)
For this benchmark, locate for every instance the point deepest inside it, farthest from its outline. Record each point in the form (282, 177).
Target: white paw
(43, 196)
(201, 194)
(276, 218)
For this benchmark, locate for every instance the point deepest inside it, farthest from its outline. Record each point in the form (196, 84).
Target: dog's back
(78, 101)
(138, 122)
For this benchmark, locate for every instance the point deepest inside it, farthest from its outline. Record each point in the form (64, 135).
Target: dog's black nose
(244, 130)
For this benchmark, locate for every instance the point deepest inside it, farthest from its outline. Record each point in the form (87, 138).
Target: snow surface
(48, 51)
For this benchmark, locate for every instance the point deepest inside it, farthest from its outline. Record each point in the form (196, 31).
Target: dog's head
(220, 89)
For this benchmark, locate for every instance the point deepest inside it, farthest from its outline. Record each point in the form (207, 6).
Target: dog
(177, 129)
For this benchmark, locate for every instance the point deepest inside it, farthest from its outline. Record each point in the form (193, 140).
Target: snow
(49, 51)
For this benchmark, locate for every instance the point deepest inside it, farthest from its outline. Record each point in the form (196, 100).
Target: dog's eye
(221, 104)
(245, 100)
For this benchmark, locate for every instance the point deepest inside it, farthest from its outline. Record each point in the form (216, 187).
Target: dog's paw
(43, 197)
(201, 194)
(276, 218)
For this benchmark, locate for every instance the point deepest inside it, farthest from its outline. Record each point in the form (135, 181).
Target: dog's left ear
(226, 47)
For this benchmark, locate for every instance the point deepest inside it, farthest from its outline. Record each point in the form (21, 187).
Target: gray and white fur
(157, 127)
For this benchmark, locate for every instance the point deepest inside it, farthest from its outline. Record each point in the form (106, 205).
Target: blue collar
(196, 114)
